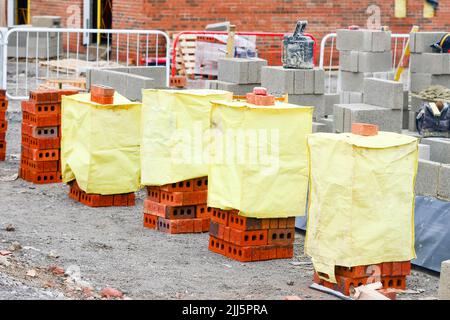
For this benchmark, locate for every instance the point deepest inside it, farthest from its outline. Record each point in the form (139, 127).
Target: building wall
(250, 15)
(261, 15)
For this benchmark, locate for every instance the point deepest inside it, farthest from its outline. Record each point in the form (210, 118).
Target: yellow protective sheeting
(100, 144)
(259, 159)
(174, 123)
(361, 208)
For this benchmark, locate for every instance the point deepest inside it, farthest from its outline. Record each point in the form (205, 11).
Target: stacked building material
(383, 105)
(250, 239)
(103, 95)
(392, 275)
(3, 124)
(257, 224)
(238, 75)
(427, 67)
(178, 207)
(41, 136)
(350, 250)
(304, 87)
(362, 54)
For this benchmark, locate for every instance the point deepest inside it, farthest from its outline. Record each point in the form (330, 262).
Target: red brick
(246, 224)
(281, 236)
(217, 246)
(3, 125)
(154, 194)
(178, 81)
(44, 96)
(169, 212)
(268, 100)
(41, 121)
(150, 221)
(248, 238)
(182, 186)
(102, 100)
(203, 211)
(242, 254)
(101, 90)
(184, 198)
(364, 129)
(41, 144)
(200, 184)
(4, 105)
(41, 109)
(41, 177)
(221, 216)
(40, 155)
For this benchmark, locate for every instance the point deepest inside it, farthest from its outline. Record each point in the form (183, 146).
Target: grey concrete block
(387, 119)
(424, 152)
(240, 71)
(420, 42)
(374, 61)
(45, 21)
(317, 101)
(348, 61)
(338, 117)
(412, 125)
(212, 84)
(421, 81)
(308, 85)
(444, 281)
(157, 73)
(352, 81)
(405, 121)
(329, 124)
(351, 97)
(384, 93)
(330, 101)
(405, 100)
(384, 75)
(440, 149)
(431, 63)
(319, 127)
(278, 80)
(416, 103)
(319, 81)
(427, 178)
(363, 40)
(135, 84)
(237, 89)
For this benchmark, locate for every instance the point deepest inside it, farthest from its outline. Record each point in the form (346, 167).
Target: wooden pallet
(185, 59)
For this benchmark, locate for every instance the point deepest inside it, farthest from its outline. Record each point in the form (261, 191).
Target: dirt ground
(109, 247)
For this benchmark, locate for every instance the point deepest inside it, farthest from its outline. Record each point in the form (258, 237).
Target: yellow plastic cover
(260, 167)
(174, 123)
(361, 208)
(100, 144)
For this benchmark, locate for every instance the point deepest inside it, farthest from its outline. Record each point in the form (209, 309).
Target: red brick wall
(263, 15)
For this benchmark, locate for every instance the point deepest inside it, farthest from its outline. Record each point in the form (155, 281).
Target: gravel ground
(109, 247)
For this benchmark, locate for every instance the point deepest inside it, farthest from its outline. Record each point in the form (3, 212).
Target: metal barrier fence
(36, 55)
(3, 32)
(329, 58)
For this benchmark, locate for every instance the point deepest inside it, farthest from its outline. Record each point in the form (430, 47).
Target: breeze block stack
(250, 239)
(428, 68)
(362, 54)
(238, 75)
(41, 136)
(392, 275)
(3, 124)
(178, 208)
(102, 95)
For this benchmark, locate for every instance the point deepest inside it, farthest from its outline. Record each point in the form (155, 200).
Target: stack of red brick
(391, 274)
(102, 95)
(178, 208)
(3, 124)
(41, 136)
(97, 200)
(250, 239)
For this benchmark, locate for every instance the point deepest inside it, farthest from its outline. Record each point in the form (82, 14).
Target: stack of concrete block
(383, 105)
(303, 86)
(238, 75)
(362, 54)
(433, 180)
(128, 81)
(427, 67)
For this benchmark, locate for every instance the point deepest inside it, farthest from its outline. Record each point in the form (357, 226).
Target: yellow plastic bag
(361, 208)
(173, 127)
(100, 144)
(260, 166)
